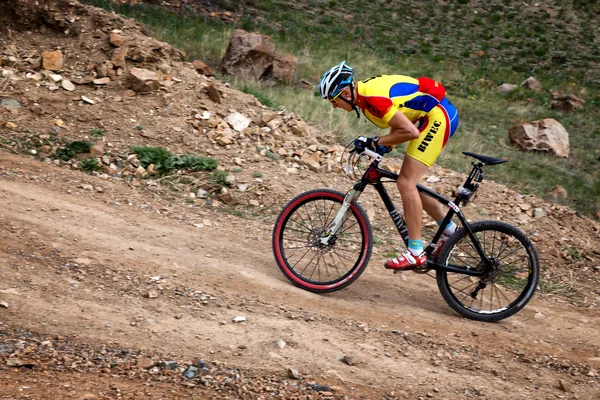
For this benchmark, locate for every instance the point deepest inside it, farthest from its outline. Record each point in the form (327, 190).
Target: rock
(532, 83)
(67, 85)
(432, 179)
(202, 68)
(142, 80)
(118, 58)
(348, 360)
(214, 94)
(145, 363)
(101, 81)
(539, 212)
(539, 315)
(284, 67)
(301, 128)
(293, 374)
(10, 104)
(228, 198)
(311, 161)
(169, 365)
(190, 372)
(152, 170)
(560, 192)
(507, 87)
(152, 294)
(563, 386)
(248, 55)
(10, 125)
(115, 39)
(239, 319)
(566, 102)
(3, 304)
(6, 348)
(97, 150)
(140, 172)
(546, 135)
(238, 121)
(254, 203)
(87, 100)
(52, 60)
(224, 140)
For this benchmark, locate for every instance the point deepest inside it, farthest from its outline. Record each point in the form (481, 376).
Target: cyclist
(416, 111)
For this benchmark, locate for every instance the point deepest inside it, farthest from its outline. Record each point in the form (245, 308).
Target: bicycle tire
(505, 277)
(285, 221)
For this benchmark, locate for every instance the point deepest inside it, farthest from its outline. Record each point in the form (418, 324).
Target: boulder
(249, 55)
(115, 39)
(141, 80)
(566, 102)
(52, 60)
(284, 67)
(546, 135)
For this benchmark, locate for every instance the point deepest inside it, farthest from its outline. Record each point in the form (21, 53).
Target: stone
(228, 198)
(507, 87)
(214, 94)
(67, 85)
(190, 372)
(348, 360)
(102, 69)
(532, 83)
(311, 161)
(3, 304)
(10, 125)
(118, 58)
(294, 374)
(224, 140)
(101, 81)
(115, 39)
(238, 121)
(239, 319)
(546, 135)
(142, 80)
(10, 104)
(249, 55)
(152, 170)
(152, 294)
(52, 60)
(145, 363)
(202, 68)
(432, 179)
(280, 343)
(140, 172)
(566, 102)
(539, 212)
(284, 67)
(97, 150)
(87, 100)
(301, 128)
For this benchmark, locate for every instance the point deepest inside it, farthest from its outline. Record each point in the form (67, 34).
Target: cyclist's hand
(381, 150)
(362, 142)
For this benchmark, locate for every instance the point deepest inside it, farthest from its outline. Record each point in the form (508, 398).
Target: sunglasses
(332, 100)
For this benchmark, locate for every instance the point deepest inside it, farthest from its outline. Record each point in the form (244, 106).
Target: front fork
(341, 217)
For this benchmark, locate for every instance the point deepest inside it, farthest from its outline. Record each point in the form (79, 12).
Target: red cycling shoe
(406, 261)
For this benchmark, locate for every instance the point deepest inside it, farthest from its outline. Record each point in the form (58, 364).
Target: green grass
(380, 39)
(90, 165)
(71, 149)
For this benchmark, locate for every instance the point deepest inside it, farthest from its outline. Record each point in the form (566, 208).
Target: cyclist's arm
(401, 130)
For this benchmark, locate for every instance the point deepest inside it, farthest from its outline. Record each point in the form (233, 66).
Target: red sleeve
(378, 106)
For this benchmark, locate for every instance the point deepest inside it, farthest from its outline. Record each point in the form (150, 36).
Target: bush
(164, 160)
(90, 165)
(71, 149)
(220, 177)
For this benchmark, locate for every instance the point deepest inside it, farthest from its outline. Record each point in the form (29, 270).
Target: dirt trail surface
(78, 268)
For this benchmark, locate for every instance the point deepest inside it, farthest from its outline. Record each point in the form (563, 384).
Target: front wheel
(299, 249)
(509, 285)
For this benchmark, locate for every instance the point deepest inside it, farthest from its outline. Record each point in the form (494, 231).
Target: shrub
(219, 177)
(90, 165)
(97, 132)
(164, 160)
(71, 149)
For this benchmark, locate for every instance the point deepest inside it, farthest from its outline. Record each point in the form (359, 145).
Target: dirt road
(108, 268)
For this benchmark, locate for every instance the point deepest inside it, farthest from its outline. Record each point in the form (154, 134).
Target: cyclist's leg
(442, 122)
(410, 174)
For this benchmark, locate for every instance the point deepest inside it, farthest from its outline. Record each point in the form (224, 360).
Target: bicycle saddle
(485, 159)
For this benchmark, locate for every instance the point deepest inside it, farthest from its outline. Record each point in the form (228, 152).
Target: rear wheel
(509, 285)
(300, 253)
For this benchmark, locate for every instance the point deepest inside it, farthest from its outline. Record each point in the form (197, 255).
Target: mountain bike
(486, 271)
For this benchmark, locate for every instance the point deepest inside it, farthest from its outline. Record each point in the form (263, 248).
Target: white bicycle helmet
(335, 80)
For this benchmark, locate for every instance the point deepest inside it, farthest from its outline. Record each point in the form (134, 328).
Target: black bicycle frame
(373, 176)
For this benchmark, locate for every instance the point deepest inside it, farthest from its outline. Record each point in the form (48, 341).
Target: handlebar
(370, 153)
